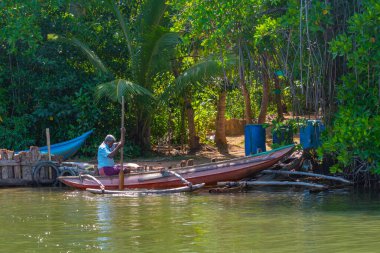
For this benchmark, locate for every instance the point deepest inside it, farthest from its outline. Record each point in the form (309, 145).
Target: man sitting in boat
(106, 153)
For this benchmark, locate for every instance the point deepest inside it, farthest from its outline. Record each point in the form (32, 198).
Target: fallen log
(272, 183)
(342, 180)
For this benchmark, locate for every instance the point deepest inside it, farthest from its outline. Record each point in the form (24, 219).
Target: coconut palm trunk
(193, 138)
(142, 136)
(220, 131)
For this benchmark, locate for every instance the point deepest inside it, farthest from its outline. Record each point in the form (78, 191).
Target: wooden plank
(4, 169)
(14, 163)
(4, 172)
(26, 173)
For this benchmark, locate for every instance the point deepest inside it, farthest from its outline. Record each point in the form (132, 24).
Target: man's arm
(119, 144)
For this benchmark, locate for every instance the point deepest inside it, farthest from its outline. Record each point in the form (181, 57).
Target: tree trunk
(220, 131)
(193, 138)
(277, 95)
(265, 98)
(142, 138)
(244, 90)
(182, 127)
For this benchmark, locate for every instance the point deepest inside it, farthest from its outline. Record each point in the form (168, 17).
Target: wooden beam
(301, 173)
(272, 183)
(14, 163)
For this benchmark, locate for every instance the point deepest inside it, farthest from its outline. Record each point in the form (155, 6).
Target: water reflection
(51, 220)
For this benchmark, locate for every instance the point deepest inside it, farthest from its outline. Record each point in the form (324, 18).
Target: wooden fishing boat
(67, 148)
(210, 174)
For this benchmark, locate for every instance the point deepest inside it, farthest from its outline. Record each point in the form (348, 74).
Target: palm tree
(220, 124)
(149, 47)
(198, 74)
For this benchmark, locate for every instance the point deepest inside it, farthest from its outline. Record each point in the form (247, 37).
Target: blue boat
(67, 148)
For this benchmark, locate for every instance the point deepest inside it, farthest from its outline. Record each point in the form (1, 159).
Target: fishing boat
(67, 148)
(210, 173)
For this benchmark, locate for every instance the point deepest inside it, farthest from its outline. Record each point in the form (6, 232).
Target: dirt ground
(205, 155)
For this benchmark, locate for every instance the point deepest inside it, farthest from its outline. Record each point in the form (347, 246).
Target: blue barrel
(310, 135)
(254, 139)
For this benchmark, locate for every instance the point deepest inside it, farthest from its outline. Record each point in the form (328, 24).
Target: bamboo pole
(121, 173)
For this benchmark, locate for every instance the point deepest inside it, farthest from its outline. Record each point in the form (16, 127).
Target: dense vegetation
(186, 65)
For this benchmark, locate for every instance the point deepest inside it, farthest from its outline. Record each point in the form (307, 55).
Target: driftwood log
(301, 173)
(272, 183)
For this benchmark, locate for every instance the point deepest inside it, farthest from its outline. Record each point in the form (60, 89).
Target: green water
(62, 220)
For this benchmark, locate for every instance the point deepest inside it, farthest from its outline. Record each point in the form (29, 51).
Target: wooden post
(26, 170)
(121, 173)
(4, 169)
(49, 150)
(17, 168)
(48, 142)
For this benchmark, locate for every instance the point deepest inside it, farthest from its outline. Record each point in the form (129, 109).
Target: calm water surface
(62, 220)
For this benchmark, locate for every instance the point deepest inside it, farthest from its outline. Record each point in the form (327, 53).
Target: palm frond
(151, 14)
(115, 89)
(161, 53)
(92, 57)
(200, 72)
(203, 70)
(123, 24)
(142, 59)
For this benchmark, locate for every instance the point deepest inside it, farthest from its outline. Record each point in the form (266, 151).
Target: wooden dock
(27, 168)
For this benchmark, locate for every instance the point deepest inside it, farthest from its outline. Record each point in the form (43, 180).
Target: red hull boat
(210, 173)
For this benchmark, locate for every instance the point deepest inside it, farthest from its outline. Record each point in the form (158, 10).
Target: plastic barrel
(310, 135)
(254, 139)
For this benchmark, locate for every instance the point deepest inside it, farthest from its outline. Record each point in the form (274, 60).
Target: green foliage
(14, 132)
(355, 134)
(266, 34)
(205, 108)
(19, 26)
(46, 82)
(284, 131)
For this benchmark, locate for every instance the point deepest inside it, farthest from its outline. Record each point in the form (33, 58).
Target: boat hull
(210, 174)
